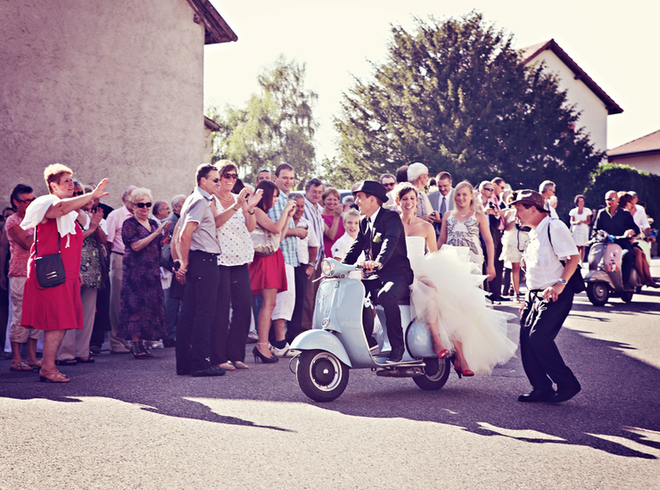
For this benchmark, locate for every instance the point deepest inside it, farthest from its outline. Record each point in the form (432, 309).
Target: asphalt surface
(127, 423)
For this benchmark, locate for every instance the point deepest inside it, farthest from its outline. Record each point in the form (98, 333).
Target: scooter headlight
(327, 268)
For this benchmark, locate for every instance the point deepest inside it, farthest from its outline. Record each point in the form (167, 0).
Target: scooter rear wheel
(321, 375)
(435, 374)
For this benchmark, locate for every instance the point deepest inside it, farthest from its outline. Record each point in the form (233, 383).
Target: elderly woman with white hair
(142, 305)
(418, 176)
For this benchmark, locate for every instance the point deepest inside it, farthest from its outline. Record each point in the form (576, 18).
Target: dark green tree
(275, 126)
(456, 96)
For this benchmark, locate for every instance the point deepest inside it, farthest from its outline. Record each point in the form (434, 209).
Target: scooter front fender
(321, 340)
(599, 276)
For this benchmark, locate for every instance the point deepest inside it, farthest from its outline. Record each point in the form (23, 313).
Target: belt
(118, 253)
(201, 252)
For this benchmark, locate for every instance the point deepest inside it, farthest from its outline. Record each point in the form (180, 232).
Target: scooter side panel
(321, 340)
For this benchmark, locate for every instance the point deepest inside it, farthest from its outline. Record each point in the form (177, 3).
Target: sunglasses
(611, 199)
(227, 175)
(143, 205)
(78, 193)
(489, 190)
(25, 201)
(391, 184)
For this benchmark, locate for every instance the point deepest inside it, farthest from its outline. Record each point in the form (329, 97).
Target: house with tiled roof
(593, 103)
(110, 89)
(642, 153)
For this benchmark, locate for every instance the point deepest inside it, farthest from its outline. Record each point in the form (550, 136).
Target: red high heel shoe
(443, 353)
(462, 372)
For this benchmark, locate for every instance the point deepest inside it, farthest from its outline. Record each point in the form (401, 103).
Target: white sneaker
(283, 352)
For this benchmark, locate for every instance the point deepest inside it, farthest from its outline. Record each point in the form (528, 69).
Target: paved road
(126, 423)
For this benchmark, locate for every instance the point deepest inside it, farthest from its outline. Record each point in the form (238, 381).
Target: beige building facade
(581, 90)
(642, 153)
(110, 89)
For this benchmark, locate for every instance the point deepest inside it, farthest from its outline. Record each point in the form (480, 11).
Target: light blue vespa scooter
(337, 341)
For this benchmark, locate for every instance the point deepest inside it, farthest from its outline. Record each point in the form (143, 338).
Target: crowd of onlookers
(231, 263)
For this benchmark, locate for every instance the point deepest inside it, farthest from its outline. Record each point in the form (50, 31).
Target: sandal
(85, 361)
(20, 367)
(36, 366)
(145, 351)
(66, 362)
(52, 377)
(137, 352)
(240, 365)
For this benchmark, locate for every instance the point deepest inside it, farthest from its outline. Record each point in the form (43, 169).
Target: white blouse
(234, 238)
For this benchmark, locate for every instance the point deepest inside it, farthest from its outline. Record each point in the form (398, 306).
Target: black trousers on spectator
(193, 331)
(540, 323)
(294, 327)
(228, 338)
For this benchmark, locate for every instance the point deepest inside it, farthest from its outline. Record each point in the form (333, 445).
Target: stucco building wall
(646, 162)
(111, 89)
(594, 114)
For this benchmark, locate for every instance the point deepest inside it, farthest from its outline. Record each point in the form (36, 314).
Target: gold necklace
(228, 199)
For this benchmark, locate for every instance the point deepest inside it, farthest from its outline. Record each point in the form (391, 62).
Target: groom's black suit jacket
(387, 245)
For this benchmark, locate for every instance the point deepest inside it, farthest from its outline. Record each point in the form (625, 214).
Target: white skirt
(446, 287)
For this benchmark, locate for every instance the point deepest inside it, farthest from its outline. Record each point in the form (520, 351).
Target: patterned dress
(465, 234)
(142, 306)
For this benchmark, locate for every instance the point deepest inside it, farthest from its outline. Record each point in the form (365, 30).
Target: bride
(447, 297)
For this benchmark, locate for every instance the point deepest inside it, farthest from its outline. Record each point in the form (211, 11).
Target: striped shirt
(289, 245)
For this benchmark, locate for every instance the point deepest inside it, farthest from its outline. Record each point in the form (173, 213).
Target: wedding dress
(446, 286)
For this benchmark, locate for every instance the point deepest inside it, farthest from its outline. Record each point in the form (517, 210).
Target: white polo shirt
(542, 259)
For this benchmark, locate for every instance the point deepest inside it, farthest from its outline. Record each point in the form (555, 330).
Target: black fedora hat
(373, 188)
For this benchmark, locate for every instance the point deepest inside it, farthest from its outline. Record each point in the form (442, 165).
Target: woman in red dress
(56, 309)
(267, 273)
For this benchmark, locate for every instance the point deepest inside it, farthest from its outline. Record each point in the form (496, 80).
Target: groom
(383, 241)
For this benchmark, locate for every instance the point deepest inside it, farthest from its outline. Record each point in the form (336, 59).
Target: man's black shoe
(536, 396)
(563, 395)
(396, 355)
(209, 372)
(169, 343)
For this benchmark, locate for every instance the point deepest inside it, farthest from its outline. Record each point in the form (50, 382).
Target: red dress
(57, 308)
(268, 272)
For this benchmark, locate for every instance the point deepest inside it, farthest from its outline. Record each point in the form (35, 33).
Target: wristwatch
(562, 281)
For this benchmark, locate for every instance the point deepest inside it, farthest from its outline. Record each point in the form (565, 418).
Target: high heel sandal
(258, 355)
(462, 372)
(52, 377)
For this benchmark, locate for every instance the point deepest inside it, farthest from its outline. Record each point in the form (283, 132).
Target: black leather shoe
(208, 372)
(396, 355)
(563, 395)
(536, 396)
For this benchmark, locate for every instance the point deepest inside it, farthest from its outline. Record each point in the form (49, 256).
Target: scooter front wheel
(598, 293)
(321, 375)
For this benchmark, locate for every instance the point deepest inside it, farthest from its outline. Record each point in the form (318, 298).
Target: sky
(337, 41)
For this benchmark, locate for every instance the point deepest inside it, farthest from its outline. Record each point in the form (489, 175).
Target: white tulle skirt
(446, 289)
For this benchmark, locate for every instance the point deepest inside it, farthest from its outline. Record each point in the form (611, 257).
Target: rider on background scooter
(619, 223)
(388, 274)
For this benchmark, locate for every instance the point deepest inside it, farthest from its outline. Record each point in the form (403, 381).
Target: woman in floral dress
(142, 307)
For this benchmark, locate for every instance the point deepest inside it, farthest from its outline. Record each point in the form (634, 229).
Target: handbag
(50, 268)
(264, 242)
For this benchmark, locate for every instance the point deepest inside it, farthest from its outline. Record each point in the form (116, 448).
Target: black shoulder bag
(576, 282)
(50, 268)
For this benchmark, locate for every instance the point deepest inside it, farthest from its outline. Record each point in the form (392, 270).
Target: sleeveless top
(465, 234)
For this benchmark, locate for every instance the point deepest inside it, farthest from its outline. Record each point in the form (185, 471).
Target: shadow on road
(617, 411)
